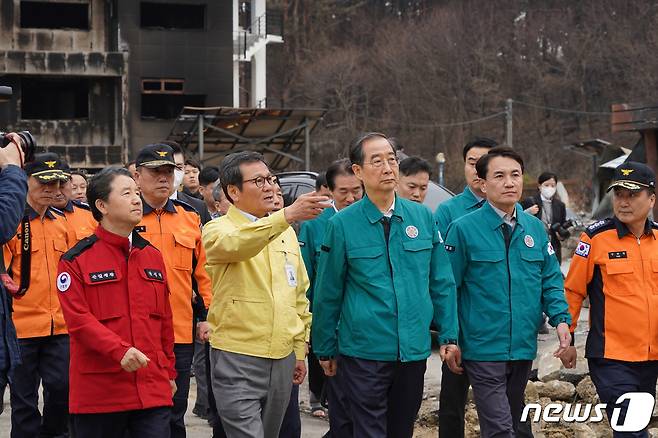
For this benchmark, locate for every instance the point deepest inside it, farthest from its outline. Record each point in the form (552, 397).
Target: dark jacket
(12, 205)
(199, 206)
(559, 216)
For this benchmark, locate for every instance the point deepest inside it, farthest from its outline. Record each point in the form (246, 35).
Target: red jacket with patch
(114, 296)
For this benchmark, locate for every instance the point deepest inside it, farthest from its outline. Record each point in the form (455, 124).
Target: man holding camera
(12, 201)
(42, 333)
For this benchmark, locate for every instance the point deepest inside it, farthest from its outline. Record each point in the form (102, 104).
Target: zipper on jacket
(509, 282)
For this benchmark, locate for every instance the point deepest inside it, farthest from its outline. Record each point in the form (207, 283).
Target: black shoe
(201, 413)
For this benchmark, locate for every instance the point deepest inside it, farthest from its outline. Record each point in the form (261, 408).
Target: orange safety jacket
(81, 222)
(38, 313)
(619, 272)
(176, 231)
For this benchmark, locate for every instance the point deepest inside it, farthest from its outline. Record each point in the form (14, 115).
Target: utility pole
(508, 119)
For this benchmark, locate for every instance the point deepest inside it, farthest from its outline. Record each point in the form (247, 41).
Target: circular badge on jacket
(411, 231)
(63, 281)
(529, 241)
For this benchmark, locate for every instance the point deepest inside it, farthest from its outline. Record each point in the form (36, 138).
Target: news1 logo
(638, 413)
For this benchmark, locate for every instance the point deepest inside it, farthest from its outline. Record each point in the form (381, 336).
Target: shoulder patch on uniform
(185, 205)
(583, 249)
(79, 248)
(597, 227)
(82, 205)
(550, 249)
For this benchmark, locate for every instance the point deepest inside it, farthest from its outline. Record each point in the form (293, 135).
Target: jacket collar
(236, 216)
(32, 214)
(471, 199)
(622, 229)
(493, 220)
(68, 207)
(169, 206)
(374, 215)
(112, 239)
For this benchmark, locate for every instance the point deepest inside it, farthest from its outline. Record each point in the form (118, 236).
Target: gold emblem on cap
(50, 164)
(626, 172)
(162, 153)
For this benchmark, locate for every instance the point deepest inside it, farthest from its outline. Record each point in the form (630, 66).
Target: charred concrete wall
(67, 75)
(201, 57)
(88, 60)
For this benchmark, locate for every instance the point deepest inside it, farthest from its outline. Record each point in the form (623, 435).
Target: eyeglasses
(378, 162)
(260, 180)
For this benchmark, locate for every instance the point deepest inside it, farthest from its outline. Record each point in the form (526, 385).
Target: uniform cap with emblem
(633, 176)
(155, 155)
(46, 167)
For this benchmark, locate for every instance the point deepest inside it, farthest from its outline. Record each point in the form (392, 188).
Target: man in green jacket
(506, 275)
(384, 275)
(345, 189)
(454, 387)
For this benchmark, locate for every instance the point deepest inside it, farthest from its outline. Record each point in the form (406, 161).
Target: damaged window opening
(169, 86)
(172, 16)
(54, 99)
(54, 15)
(168, 106)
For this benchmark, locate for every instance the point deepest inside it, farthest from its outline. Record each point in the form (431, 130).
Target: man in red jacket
(113, 290)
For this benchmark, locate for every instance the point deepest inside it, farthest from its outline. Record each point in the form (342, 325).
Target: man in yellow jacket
(259, 313)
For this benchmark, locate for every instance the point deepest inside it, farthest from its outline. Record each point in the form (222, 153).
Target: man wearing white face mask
(179, 173)
(547, 207)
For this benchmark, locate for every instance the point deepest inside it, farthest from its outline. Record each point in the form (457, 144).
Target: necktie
(386, 224)
(507, 234)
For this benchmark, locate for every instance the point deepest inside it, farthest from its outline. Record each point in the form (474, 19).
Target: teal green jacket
(454, 208)
(385, 301)
(502, 293)
(311, 236)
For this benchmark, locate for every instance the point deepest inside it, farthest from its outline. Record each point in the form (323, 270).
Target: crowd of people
(117, 287)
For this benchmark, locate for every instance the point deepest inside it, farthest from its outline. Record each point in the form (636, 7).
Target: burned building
(94, 80)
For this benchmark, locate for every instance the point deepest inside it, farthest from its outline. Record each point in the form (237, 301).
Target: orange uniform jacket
(620, 274)
(81, 222)
(38, 312)
(175, 231)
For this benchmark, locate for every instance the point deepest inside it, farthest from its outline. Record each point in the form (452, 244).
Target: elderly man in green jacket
(385, 276)
(506, 275)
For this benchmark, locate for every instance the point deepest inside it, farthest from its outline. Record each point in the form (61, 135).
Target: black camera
(28, 144)
(562, 230)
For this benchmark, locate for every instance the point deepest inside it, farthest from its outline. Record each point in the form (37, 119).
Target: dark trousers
(498, 389)
(45, 359)
(384, 397)
(291, 427)
(213, 414)
(142, 423)
(452, 406)
(199, 365)
(316, 377)
(340, 418)
(183, 353)
(613, 378)
(452, 403)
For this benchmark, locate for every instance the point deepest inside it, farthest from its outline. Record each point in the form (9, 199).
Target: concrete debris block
(586, 391)
(531, 393)
(547, 365)
(602, 429)
(557, 390)
(582, 430)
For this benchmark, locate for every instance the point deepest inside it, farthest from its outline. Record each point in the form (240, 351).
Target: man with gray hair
(221, 203)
